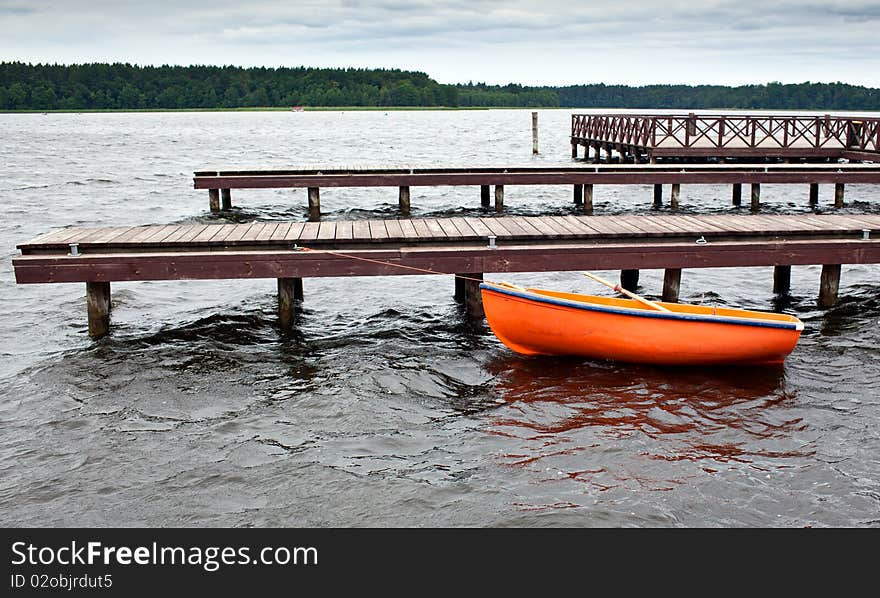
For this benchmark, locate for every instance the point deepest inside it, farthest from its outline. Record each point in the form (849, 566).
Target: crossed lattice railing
(729, 131)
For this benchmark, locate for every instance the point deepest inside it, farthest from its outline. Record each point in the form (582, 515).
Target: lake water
(385, 407)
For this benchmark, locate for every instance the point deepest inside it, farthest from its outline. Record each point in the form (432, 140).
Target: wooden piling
(671, 284)
(814, 194)
(214, 199)
(467, 291)
(756, 197)
(290, 292)
(98, 303)
(458, 294)
(838, 195)
(578, 194)
(781, 280)
(829, 285)
(403, 201)
(535, 134)
(629, 279)
(574, 151)
(658, 195)
(226, 197)
(737, 194)
(588, 199)
(473, 298)
(499, 198)
(484, 196)
(314, 204)
(673, 198)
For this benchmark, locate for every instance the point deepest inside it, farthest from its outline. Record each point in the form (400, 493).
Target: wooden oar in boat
(629, 294)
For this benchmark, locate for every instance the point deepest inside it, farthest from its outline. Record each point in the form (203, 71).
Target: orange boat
(540, 322)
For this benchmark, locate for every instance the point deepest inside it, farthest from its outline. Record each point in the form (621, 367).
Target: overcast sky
(496, 41)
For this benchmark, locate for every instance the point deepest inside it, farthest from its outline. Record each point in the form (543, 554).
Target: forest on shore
(119, 86)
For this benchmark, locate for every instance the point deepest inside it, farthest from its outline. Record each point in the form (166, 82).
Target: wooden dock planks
(457, 230)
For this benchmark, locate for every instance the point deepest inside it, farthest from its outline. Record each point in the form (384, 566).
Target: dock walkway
(467, 246)
(582, 178)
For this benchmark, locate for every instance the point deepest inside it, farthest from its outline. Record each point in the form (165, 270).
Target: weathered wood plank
(409, 231)
(464, 228)
(327, 230)
(421, 228)
(344, 231)
(237, 233)
(435, 229)
(281, 231)
(395, 231)
(254, 231)
(268, 231)
(378, 231)
(294, 231)
(223, 232)
(309, 231)
(360, 230)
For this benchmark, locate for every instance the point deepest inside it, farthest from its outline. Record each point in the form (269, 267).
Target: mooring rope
(387, 263)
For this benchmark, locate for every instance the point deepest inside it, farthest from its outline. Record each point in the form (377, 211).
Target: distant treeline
(128, 87)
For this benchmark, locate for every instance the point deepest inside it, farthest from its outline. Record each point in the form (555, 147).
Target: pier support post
(484, 196)
(535, 135)
(98, 303)
(629, 279)
(838, 195)
(226, 197)
(673, 198)
(671, 284)
(578, 194)
(588, 198)
(214, 199)
(467, 291)
(814, 194)
(403, 201)
(314, 204)
(829, 285)
(499, 198)
(737, 194)
(658, 195)
(597, 154)
(574, 151)
(781, 280)
(756, 197)
(290, 293)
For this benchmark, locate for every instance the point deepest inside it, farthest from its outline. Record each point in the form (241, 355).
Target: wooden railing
(757, 132)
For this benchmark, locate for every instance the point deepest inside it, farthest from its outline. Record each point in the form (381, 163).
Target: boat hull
(539, 322)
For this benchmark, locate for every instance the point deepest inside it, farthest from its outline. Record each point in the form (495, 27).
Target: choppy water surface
(385, 408)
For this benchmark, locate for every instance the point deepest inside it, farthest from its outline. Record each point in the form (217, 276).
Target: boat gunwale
(797, 325)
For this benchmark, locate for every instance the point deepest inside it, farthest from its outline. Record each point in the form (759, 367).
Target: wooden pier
(583, 179)
(291, 251)
(651, 137)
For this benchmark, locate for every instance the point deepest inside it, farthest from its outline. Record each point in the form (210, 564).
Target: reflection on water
(710, 415)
